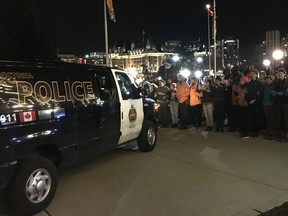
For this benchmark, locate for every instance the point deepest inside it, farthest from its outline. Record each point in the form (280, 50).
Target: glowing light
(185, 72)
(277, 54)
(133, 72)
(199, 59)
(198, 74)
(266, 62)
(156, 106)
(175, 58)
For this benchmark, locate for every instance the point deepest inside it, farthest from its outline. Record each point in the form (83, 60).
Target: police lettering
(44, 92)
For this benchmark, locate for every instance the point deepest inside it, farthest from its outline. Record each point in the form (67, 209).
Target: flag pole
(215, 39)
(209, 44)
(106, 34)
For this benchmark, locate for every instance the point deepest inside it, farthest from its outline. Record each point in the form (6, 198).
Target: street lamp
(277, 55)
(198, 74)
(185, 72)
(266, 62)
(209, 45)
(199, 60)
(267, 66)
(175, 58)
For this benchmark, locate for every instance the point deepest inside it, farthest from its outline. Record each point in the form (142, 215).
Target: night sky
(75, 26)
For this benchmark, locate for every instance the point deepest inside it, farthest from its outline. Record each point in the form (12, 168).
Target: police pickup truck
(53, 114)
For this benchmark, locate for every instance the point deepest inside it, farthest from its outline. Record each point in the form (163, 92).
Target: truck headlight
(156, 106)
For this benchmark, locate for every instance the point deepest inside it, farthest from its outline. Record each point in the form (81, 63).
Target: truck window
(128, 88)
(106, 89)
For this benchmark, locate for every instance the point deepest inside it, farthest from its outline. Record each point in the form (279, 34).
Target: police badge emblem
(132, 114)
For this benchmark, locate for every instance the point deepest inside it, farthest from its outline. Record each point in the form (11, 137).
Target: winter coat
(182, 93)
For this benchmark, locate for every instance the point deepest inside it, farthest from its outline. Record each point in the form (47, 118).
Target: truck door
(108, 108)
(85, 119)
(131, 107)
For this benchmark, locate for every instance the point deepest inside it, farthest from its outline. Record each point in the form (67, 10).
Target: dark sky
(76, 26)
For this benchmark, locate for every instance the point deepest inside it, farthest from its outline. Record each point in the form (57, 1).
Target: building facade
(272, 42)
(230, 52)
(138, 61)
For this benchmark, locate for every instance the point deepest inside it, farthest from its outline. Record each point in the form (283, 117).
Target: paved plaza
(189, 173)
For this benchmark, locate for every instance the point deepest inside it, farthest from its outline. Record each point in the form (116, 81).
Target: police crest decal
(132, 114)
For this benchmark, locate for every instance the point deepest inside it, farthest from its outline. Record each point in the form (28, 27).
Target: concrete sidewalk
(190, 173)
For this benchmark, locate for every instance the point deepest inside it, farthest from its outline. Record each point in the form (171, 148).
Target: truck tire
(32, 186)
(147, 138)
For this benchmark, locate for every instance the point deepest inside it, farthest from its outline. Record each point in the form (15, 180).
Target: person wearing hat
(163, 95)
(269, 109)
(280, 95)
(152, 90)
(182, 95)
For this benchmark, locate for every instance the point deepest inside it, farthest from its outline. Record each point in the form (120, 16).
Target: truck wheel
(32, 186)
(147, 138)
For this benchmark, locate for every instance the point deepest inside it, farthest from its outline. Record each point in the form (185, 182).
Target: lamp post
(209, 45)
(277, 55)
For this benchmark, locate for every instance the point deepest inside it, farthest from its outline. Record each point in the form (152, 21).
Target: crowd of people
(246, 102)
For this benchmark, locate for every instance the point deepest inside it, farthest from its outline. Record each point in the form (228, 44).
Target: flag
(214, 24)
(27, 116)
(210, 12)
(111, 10)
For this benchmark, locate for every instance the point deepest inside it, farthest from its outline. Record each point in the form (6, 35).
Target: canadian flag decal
(27, 116)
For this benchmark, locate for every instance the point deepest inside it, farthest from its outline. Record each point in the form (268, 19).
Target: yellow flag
(111, 10)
